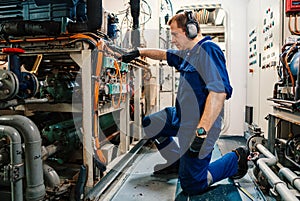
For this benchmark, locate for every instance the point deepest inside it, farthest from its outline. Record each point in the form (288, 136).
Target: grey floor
(138, 183)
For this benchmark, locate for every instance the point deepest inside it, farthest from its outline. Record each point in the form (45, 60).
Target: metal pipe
(30, 28)
(273, 179)
(35, 189)
(290, 176)
(15, 161)
(16, 102)
(49, 150)
(51, 177)
(135, 13)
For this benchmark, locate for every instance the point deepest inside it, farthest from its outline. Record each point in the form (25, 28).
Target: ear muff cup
(192, 26)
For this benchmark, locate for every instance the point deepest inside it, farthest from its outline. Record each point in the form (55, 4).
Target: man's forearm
(157, 54)
(213, 106)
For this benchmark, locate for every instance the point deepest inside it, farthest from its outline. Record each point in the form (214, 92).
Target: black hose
(297, 89)
(135, 13)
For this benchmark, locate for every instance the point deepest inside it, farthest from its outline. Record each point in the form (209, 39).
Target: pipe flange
(253, 141)
(29, 85)
(9, 85)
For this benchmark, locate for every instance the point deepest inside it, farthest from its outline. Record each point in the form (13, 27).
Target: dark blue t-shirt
(202, 69)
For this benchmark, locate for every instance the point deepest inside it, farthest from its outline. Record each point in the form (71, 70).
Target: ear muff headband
(192, 26)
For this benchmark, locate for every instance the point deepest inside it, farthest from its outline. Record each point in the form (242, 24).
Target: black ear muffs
(192, 26)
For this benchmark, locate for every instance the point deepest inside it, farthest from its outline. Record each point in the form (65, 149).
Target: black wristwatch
(197, 142)
(201, 132)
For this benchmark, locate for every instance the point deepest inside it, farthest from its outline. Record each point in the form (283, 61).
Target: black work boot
(242, 153)
(166, 169)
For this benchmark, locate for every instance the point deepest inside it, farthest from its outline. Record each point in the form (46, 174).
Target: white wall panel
(236, 52)
(253, 50)
(266, 22)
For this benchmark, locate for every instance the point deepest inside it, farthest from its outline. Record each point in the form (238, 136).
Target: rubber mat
(228, 143)
(221, 192)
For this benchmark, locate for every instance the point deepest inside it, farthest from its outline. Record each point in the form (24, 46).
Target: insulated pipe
(51, 177)
(35, 189)
(15, 159)
(16, 102)
(290, 176)
(49, 150)
(94, 14)
(135, 13)
(273, 179)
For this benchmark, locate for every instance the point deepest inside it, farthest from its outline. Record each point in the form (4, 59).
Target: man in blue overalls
(197, 116)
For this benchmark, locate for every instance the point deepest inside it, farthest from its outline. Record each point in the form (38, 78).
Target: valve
(14, 82)
(9, 85)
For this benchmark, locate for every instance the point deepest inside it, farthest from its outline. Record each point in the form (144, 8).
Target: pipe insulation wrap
(15, 159)
(273, 179)
(35, 189)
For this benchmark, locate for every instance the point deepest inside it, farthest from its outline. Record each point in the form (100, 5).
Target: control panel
(292, 6)
(269, 54)
(253, 49)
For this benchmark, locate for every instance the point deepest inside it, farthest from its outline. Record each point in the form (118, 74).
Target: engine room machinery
(63, 92)
(275, 151)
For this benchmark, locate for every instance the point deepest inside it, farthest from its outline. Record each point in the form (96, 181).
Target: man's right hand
(128, 57)
(195, 147)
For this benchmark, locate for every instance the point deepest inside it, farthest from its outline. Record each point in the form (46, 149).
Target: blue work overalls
(202, 69)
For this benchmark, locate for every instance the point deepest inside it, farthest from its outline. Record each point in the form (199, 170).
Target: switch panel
(292, 6)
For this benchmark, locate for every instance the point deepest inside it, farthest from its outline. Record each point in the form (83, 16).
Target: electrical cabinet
(264, 42)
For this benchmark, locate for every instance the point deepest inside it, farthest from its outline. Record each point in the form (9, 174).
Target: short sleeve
(212, 69)
(175, 57)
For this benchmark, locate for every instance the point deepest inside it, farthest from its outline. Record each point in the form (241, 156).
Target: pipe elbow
(270, 159)
(24, 125)
(34, 172)
(11, 133)
(51, 177)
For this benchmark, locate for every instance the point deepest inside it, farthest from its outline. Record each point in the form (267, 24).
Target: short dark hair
(181, 20)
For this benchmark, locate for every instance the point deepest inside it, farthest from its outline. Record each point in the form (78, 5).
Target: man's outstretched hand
(128, 57)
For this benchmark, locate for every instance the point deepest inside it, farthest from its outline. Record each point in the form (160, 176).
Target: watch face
(201, 131)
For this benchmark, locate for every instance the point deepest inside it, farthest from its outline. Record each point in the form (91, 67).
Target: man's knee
(149, 134)
(196, 186)
(146, 121)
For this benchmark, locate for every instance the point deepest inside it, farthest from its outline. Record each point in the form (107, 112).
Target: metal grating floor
(139, 184)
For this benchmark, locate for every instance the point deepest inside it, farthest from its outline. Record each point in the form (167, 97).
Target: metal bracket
(16, 172)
